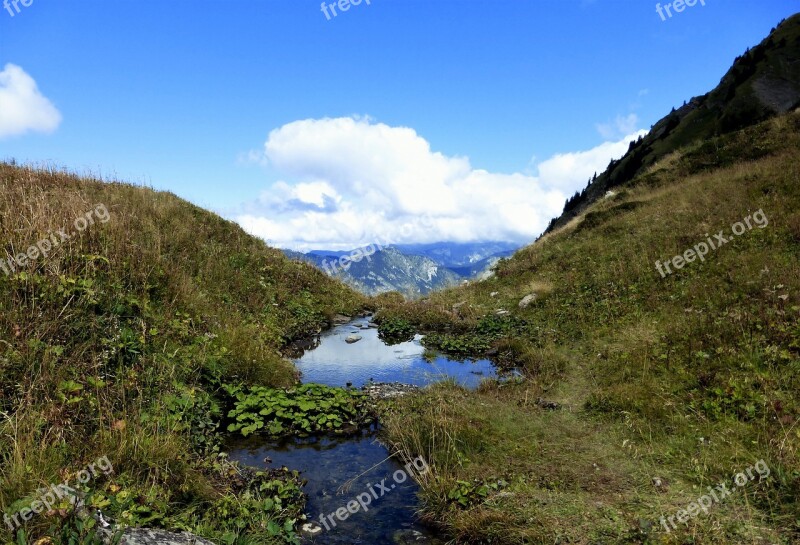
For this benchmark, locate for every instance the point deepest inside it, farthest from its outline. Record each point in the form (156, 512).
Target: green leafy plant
(304, 410)
(396, 330)
(462, 345)
(469, 493)
(500, 326)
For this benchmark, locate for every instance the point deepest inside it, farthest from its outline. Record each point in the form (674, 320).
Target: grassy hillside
(117, 341)
(640, 391)
(763, 82)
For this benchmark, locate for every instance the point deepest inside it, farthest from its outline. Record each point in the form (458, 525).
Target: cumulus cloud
(22, 107)
(621, 126)
(564, 169)
(352, 181)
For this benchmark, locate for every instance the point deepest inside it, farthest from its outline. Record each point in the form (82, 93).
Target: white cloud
(564, 169)
(355, 181)
(621, 126)
(22, 107)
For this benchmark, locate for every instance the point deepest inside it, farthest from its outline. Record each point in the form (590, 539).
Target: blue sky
(480, 116)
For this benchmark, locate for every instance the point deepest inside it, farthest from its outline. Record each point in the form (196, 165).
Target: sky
(393, 121)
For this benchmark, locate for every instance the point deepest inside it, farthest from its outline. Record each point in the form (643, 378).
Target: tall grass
(685, 379)
(163, 301)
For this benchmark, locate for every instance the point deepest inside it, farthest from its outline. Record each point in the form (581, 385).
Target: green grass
(688, 379)
(118, 341)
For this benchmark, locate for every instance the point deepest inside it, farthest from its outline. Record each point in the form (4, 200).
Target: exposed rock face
(762, 83)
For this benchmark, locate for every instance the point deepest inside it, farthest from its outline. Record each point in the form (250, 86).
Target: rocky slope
(762, 83)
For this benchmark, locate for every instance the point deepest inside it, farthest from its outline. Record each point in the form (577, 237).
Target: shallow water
(336, 363)
(332, 467)
(339, 470)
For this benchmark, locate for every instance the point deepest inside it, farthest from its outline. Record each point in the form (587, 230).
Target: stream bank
(357, 492)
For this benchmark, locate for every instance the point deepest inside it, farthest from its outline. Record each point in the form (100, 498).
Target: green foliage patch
(303, 410)
(396, 330)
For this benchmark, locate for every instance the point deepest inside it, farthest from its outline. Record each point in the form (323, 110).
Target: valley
(629, 374)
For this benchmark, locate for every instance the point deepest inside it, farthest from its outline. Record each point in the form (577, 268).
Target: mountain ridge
(413, 270)
(762, 83)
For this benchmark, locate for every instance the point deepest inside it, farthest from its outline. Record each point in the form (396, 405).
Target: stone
(660, 484)
(388, 390)
(150, 536)
(341, 319)
(353, 339)
(549, 405)
(407, 537)
(311, 529)
(527, 300)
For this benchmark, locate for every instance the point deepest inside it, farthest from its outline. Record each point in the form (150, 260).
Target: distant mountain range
(411, 269)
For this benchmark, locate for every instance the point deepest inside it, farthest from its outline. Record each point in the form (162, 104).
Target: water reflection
(334, 362)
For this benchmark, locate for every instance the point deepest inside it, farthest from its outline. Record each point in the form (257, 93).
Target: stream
(340, 470)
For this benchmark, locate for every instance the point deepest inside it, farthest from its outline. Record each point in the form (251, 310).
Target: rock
(340, 319)
(527, 300)
(372, 325)
(660, 484)
(549, 405)
(353, 339)
(502, 312)
(406, 537)
(311, 529)
(388, 390)
(494, 294)
(149, 536)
